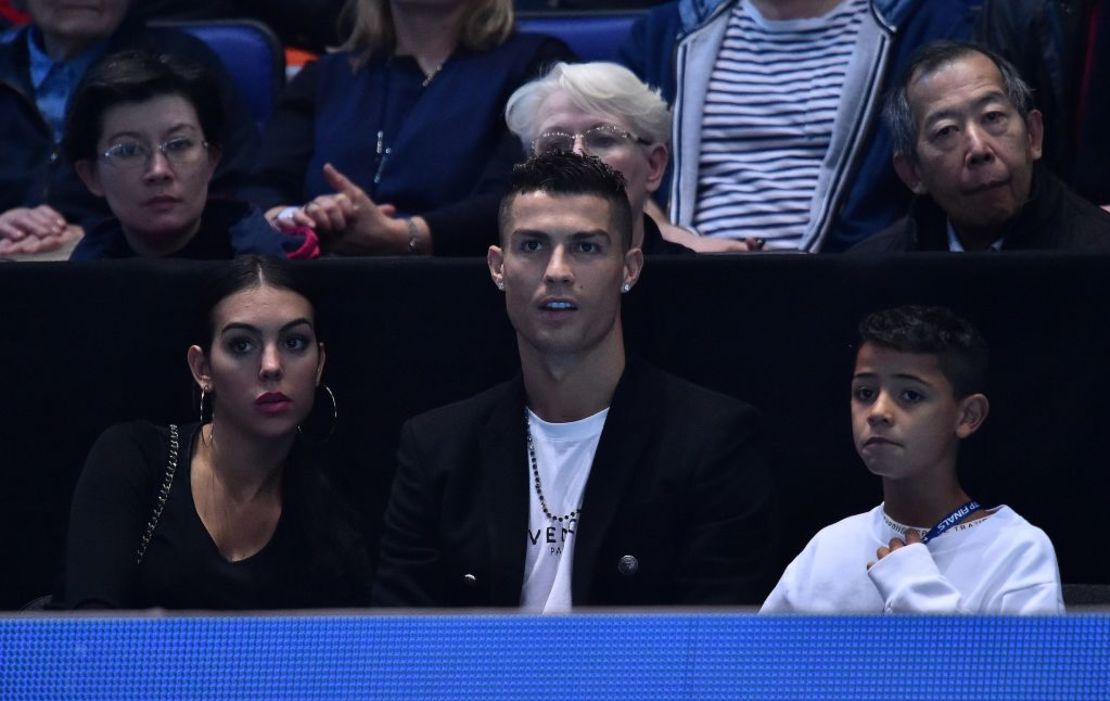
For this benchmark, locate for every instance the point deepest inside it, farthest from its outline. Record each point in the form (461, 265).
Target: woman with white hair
(603, 109)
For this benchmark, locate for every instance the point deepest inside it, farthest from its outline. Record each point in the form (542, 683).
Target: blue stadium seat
(593, 36)
(252, 54)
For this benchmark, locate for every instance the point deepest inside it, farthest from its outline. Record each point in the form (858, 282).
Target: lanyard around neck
(959, 515)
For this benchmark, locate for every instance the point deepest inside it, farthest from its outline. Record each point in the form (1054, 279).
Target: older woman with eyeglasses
(603, 109)
(142, 132)
(395, 145)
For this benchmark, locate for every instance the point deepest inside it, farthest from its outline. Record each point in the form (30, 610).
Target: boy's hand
(912, 537)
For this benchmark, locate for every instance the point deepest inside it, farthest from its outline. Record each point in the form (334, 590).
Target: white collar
(954, 245)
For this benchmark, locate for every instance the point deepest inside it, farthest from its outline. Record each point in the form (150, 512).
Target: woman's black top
(313, 559)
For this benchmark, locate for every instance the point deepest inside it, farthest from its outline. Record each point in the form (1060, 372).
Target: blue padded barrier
(252, 54)
(585, 656)
(592, 36)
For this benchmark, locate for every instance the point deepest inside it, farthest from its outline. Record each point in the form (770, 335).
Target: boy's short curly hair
(960, 349)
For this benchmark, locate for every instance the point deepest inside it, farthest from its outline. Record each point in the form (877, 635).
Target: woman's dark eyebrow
(186, 126)
(254, 329)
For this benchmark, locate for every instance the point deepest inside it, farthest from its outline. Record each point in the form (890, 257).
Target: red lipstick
(273, 403)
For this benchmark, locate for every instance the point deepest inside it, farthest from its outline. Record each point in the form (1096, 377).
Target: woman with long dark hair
(229, 512)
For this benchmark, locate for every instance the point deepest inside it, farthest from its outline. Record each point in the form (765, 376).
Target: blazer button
(628, 565)
(470, 580)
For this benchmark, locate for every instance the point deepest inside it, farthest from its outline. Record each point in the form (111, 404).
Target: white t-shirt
(997, 564)
(564, 454)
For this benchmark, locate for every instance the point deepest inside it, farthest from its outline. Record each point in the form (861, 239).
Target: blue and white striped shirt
(768, 120)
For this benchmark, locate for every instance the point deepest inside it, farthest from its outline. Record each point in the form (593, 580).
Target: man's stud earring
(500, 285)
(626, 287)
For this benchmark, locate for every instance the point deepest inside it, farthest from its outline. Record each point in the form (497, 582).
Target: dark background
(90, 344)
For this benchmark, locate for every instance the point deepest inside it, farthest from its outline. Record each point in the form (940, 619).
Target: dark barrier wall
(87, 345)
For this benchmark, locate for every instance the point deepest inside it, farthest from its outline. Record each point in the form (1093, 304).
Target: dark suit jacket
(1053, 218)
(679, 482)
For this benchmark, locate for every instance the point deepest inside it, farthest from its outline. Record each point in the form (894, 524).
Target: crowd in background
(395, 140)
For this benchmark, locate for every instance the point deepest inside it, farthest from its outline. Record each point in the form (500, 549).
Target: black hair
(567, 173)
(136, 76)
(960, 349)
(328, 538)
(926, 60)
(244, 273)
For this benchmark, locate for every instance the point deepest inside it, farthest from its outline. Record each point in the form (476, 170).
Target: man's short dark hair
(960, 349)
(566, 173)
(136, 76)
(926, 60)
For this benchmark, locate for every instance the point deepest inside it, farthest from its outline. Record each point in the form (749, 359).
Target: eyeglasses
(597, 140)
(179, 151)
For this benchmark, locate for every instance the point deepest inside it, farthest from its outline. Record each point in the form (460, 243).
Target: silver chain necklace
(536, 477)
(429, 76)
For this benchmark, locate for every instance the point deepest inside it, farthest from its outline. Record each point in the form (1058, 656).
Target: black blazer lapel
(504, 463)
(631, 417)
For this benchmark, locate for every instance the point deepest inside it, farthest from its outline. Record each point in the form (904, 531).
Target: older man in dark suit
(588, 480)
(967, 144)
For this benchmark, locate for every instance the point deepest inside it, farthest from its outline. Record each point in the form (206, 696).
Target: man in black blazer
(587, 480)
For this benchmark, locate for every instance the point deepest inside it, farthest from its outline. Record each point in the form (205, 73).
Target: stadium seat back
(592, 36)
(252, 54)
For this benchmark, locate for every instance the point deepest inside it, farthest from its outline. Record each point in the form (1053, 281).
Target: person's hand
(324, 213)
(912, 536)
(288, 218)
(39, 222)
(32, 245)
(35, 230)
(331, 213)
(368, 229)
(707, 244)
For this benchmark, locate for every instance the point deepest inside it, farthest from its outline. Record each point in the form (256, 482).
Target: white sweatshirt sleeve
(909, 582)
(1022, 579)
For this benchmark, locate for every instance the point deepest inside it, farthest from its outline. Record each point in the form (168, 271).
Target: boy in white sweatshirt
(928, 548)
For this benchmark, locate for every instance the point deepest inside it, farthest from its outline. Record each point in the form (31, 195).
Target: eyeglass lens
(599, 139)
(178, 151)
